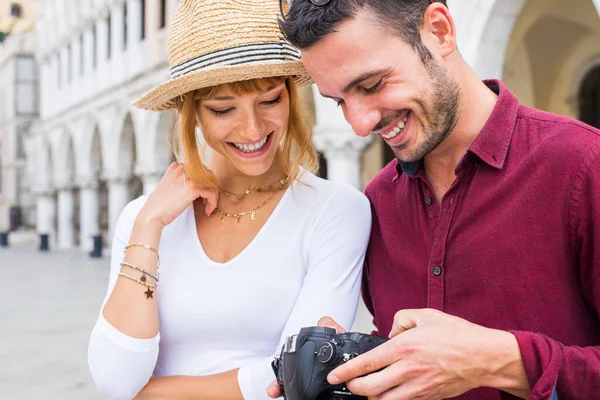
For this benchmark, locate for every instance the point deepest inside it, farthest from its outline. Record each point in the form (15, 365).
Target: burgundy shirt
(513, 245)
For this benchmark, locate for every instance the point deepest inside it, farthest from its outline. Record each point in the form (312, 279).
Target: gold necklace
(252, 212)
(266, 188)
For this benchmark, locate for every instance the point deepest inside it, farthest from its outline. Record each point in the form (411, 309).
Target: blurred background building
(19, 109)
(90, 152)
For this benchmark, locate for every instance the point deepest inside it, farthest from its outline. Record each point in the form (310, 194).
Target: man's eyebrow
(357, 80)
(362, 77)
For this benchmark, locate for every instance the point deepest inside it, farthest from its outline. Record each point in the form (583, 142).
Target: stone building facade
(91, 152)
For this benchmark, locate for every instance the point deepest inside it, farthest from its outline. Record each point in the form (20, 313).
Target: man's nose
(361, 117)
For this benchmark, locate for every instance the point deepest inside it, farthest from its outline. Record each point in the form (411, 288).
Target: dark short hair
(306, 23)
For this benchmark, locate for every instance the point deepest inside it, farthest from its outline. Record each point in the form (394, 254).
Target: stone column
(117, 20)
(102, 39)
(338, 143)
(90, 212)
(151, 181)
(343, 152)
(66, 208)
(88, 49)
(76, 50)
(118, 197)
(46, 211)
(134, 23)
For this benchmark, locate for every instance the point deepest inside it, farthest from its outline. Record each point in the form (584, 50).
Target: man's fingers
(369, 362)
(409, 319)
(328, 322)
(377, 383)
(273, 391)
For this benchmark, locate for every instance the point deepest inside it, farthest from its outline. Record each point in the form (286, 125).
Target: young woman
(225, 260)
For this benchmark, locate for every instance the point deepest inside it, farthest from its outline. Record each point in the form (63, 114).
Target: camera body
(307, 358)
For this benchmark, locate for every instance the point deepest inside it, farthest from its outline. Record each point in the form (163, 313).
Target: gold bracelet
(144, 246)
(149, 293)
(149, 285)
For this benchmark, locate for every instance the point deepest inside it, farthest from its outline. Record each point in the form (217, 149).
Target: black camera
(306, 359)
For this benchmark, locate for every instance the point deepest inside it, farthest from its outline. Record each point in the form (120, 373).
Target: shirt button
(437, 270)
(428, 201)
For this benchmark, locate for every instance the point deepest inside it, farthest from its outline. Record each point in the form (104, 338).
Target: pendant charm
(222, 217)
(238, 217)
(149, 294)
(253, 214)
(143, 278)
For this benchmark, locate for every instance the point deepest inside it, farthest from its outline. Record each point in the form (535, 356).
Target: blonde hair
(297, 150)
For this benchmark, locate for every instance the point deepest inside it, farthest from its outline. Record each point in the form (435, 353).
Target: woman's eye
(219, 112)
(375, 87)
(274, 101)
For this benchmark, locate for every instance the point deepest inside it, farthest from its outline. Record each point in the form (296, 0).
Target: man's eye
(374, 88)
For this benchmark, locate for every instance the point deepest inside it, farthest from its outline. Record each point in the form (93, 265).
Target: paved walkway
(49, 303)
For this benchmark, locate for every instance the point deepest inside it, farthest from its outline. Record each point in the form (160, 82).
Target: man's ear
(438, 26)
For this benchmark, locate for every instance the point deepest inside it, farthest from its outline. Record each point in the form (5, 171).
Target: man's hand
(273, 391)
(433, 355)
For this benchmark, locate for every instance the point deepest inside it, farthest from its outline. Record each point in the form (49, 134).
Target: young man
(484, 259)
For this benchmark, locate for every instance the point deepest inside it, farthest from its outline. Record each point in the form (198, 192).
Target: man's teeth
(251, 148)
(397, 129)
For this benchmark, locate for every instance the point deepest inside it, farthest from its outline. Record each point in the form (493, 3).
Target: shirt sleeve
(366, 281)
(331, 286)
(572, 371)
(119, 364)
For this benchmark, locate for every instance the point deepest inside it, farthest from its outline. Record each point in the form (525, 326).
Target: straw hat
(222, 41)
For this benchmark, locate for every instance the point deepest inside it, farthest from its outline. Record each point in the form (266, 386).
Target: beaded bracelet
(142, 270)
(149, 293)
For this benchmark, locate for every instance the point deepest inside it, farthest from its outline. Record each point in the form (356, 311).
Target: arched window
(16, 10)
(589, 98)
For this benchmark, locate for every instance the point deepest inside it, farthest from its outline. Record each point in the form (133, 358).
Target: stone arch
(45, 166)
(65, 163)
(128, 151)
(490, 49)
(162, 153)
(491, 34)
(589, 97)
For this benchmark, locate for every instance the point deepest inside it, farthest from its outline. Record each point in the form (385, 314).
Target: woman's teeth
(397, 129)
(251, 148)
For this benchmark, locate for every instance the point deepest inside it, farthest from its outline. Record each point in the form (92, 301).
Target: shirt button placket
(437, 270)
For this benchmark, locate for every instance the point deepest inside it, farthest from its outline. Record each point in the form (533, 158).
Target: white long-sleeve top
(305, 263)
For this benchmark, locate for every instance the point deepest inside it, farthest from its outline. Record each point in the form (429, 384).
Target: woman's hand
(172, 196)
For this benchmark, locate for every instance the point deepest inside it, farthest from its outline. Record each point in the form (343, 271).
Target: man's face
(383, 86)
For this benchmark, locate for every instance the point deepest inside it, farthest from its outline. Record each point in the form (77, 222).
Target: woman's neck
(232, 180)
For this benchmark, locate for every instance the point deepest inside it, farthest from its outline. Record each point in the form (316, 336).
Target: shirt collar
(492, 143)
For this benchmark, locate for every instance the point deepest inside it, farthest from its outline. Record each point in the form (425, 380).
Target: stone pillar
(343, 152)
(76, 58)
(88, 49)
(45, 215)
(117, 21)
(338, 143)
(102, 39)
(90, 212)
(151, 181)
(134, 23)
(118, 197)
(66, 208)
